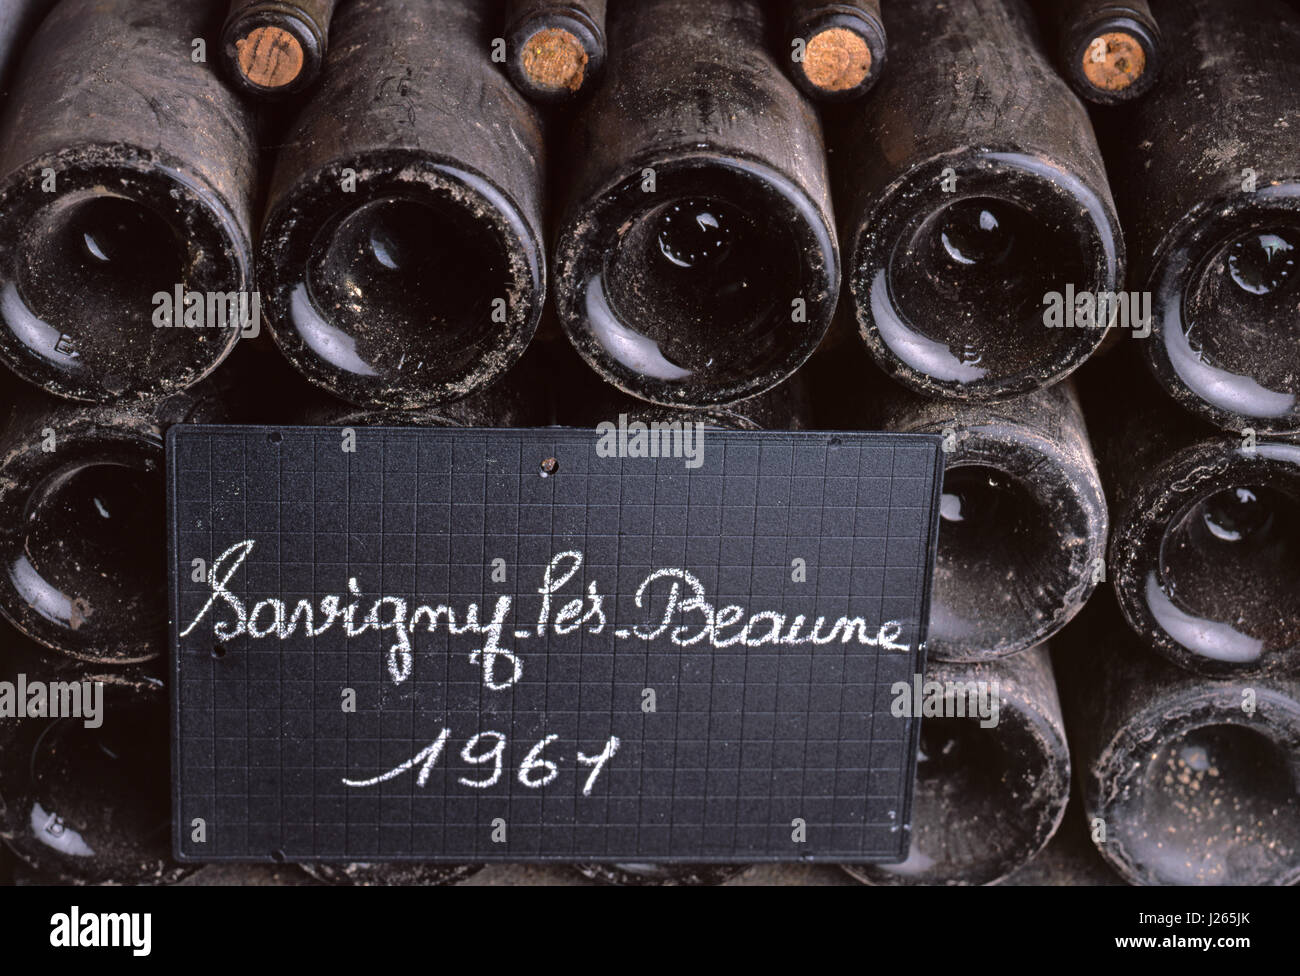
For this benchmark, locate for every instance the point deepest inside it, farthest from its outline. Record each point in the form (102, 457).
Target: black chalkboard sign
(514, 645)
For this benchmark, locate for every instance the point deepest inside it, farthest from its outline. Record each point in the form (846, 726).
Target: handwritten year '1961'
(534, 771)
(685, 601)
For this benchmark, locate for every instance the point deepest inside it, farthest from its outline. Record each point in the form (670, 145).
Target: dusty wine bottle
(1109, 50)
(1185, 781)
(1207, 168)
(1205, 548)
(555, 49)
(836, 51)
(402, 258)
(85, 794)
(275, 47)
(1023, 517)
(971, 190)
(993, 771)
(696, 263)
(126, 175)
(83, 522)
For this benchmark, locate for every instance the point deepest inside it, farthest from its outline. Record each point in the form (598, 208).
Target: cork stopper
(837, 60)
(555, 58)
(270, 57)
(1114, 61)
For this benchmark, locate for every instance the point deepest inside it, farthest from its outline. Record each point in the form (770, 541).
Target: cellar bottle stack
(1166, 463)
(1062, 236)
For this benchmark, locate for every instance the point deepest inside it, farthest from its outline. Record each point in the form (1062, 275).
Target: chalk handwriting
(673, 601)
(534, 771)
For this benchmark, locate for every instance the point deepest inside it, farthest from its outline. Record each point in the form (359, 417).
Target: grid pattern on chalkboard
(722, 751)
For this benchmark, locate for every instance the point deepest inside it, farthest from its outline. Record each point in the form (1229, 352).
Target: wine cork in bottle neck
(1113, 61)
(837, 59)
(555, 58)
(270, 57)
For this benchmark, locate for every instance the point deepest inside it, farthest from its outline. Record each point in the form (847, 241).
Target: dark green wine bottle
(402, 256)
(1207, 172)
(990, 791)
(970, 190)
(83, 522)
(1205, 546)
(85, 795)
(127, 179)
(1023, 517)
(695, 261)
(1184, 780)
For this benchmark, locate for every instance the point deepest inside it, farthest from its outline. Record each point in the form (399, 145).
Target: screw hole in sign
(218, 651)
(275, 437)
(548, 467)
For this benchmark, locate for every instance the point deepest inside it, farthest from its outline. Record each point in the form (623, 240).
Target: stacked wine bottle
(1061, 235)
